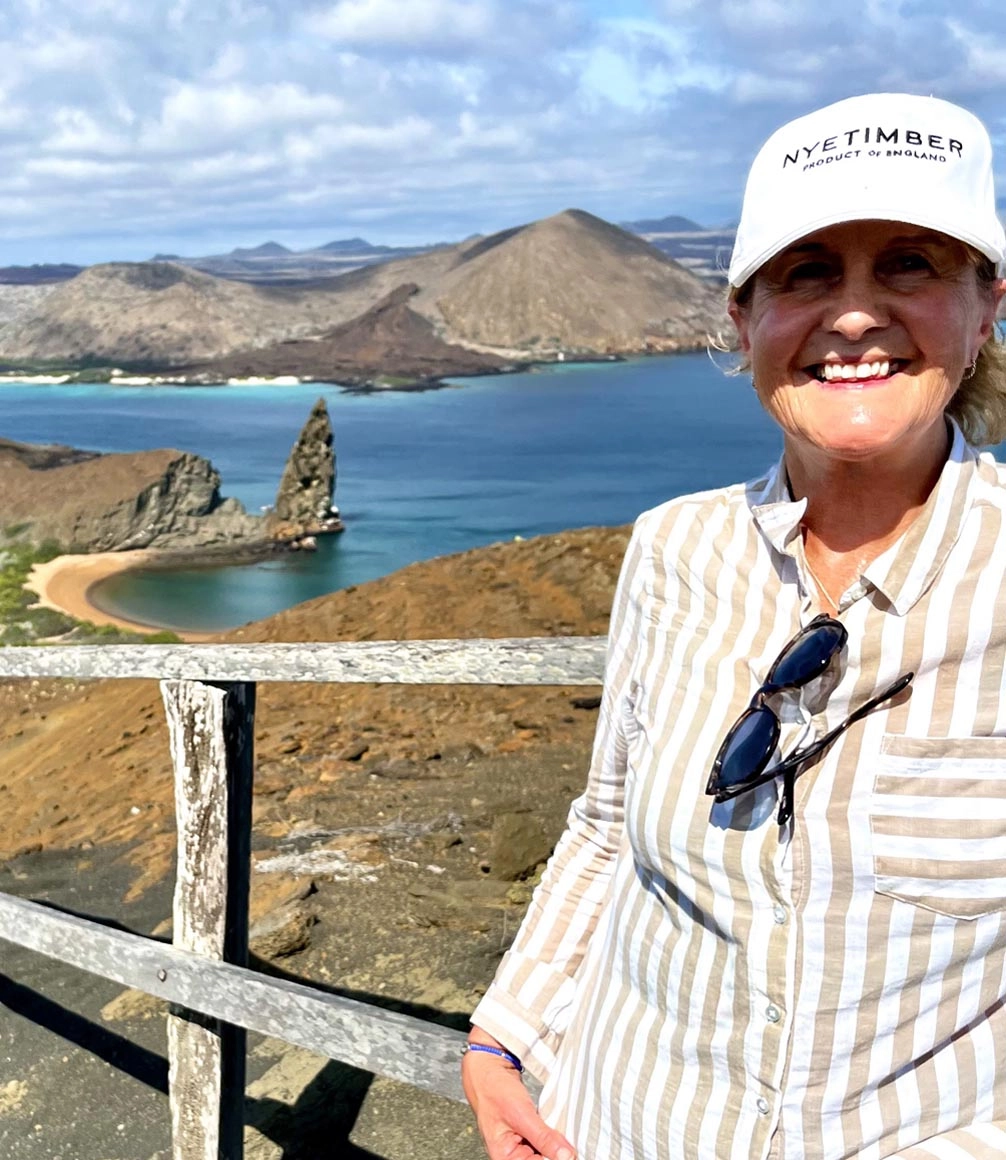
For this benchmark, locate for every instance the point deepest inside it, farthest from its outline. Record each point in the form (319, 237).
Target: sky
(131, 127)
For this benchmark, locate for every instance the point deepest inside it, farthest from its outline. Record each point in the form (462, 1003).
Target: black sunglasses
(752, 739)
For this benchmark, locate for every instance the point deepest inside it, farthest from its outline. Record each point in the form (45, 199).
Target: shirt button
(779, 913)
(772, 1013)
(762, 1105)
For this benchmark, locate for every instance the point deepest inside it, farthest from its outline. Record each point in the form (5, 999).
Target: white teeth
(876, 370)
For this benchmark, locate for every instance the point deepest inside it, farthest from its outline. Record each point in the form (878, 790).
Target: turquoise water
(420, 475)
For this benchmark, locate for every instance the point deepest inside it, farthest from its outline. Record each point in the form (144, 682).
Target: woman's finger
(507, 1118)
(546, 1141)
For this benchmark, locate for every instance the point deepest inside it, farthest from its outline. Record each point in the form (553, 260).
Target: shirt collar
(910, 565)
(775, 512)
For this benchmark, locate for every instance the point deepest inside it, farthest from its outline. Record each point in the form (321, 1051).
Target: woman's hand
(507, 1118)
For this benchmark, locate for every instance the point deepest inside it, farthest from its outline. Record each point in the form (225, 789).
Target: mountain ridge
(570, 285)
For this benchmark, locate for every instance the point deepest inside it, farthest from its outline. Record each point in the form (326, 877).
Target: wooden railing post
(211, 732)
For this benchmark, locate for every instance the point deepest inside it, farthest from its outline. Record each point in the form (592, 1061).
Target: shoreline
(66, 584)
(356, 385)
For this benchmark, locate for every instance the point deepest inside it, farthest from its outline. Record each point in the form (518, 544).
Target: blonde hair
(978, 404)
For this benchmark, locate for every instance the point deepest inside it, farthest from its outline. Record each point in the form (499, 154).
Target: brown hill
(570, 283)
(159, 314)
(72, 774)
(389, 338)
(93, 503)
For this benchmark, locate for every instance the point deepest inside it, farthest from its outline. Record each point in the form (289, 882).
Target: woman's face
(858, 336)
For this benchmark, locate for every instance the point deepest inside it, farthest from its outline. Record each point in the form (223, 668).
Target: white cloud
(74, 131)
(984, 54)
(135, 125)
(416, 24)
(194, 116)
(749, 87)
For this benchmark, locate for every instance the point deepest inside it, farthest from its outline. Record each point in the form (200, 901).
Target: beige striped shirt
(693, 982)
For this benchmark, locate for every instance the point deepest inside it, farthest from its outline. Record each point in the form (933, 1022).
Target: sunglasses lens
(747, 748)
(808, 656)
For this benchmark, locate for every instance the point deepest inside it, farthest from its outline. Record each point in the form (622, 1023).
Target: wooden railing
(209, 698)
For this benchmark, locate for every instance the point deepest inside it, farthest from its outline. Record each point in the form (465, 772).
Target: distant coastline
(378, 384)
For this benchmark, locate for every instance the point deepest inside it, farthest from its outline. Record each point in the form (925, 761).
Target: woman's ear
(994, 310)
(739, 317)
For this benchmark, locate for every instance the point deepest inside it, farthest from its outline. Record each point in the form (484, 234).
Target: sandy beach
(65, 584)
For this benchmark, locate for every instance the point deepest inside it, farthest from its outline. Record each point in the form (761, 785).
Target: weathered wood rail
(209, 698)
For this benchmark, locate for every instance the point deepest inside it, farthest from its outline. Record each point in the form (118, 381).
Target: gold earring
(970, 372)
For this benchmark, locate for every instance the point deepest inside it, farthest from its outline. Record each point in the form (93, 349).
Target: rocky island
(304, 507)
(571, 286)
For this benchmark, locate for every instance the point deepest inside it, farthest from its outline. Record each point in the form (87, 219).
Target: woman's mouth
(856, 372)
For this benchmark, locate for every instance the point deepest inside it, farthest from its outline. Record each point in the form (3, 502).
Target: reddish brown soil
(89, 763)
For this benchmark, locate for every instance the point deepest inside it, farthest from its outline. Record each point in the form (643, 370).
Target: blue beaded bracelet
(501, 1051)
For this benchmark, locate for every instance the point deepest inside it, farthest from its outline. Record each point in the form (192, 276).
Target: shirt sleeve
(975, 1142)
(527, 1006)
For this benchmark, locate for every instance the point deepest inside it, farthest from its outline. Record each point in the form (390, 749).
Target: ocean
(419, 474)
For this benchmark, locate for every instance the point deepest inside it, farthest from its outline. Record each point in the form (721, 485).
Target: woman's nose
(858, 306)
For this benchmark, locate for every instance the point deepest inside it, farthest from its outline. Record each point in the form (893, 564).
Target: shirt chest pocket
(938, 823)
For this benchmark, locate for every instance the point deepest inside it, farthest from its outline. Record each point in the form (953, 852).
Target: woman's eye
(908, 264)
(810, 272)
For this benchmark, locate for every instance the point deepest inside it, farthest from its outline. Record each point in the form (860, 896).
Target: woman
(776, 924)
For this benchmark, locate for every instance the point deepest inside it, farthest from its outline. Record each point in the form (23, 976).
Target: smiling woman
(917, 269)
(822, 313)
(776, 924)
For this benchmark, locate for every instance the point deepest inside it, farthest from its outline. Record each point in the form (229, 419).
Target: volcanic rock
(88, 502)
(159, 315)
(570, 284)
(520, 843)
(389, 339)
(303, 504)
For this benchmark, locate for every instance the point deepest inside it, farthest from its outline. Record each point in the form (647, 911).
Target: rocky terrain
(303, 504)
(19, 298)
(571, 285)
(87, 502)
(157, 314)
(397, 833)
(166, 500)
(388, 342)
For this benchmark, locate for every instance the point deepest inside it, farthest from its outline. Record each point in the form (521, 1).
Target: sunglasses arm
(789, 766)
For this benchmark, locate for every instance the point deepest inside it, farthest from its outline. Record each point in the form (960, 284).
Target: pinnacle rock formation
(303, 504)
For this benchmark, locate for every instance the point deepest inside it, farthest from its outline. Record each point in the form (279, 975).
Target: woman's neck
(857, 509)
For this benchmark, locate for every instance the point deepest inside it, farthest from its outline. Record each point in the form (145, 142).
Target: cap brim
(738, 277)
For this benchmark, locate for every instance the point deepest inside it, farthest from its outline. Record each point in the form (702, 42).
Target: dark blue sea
(419, 474)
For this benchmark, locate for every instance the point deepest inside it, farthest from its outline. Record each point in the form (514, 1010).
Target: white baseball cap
(884, 156)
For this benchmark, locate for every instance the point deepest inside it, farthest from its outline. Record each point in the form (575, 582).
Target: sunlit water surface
(420, 474)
